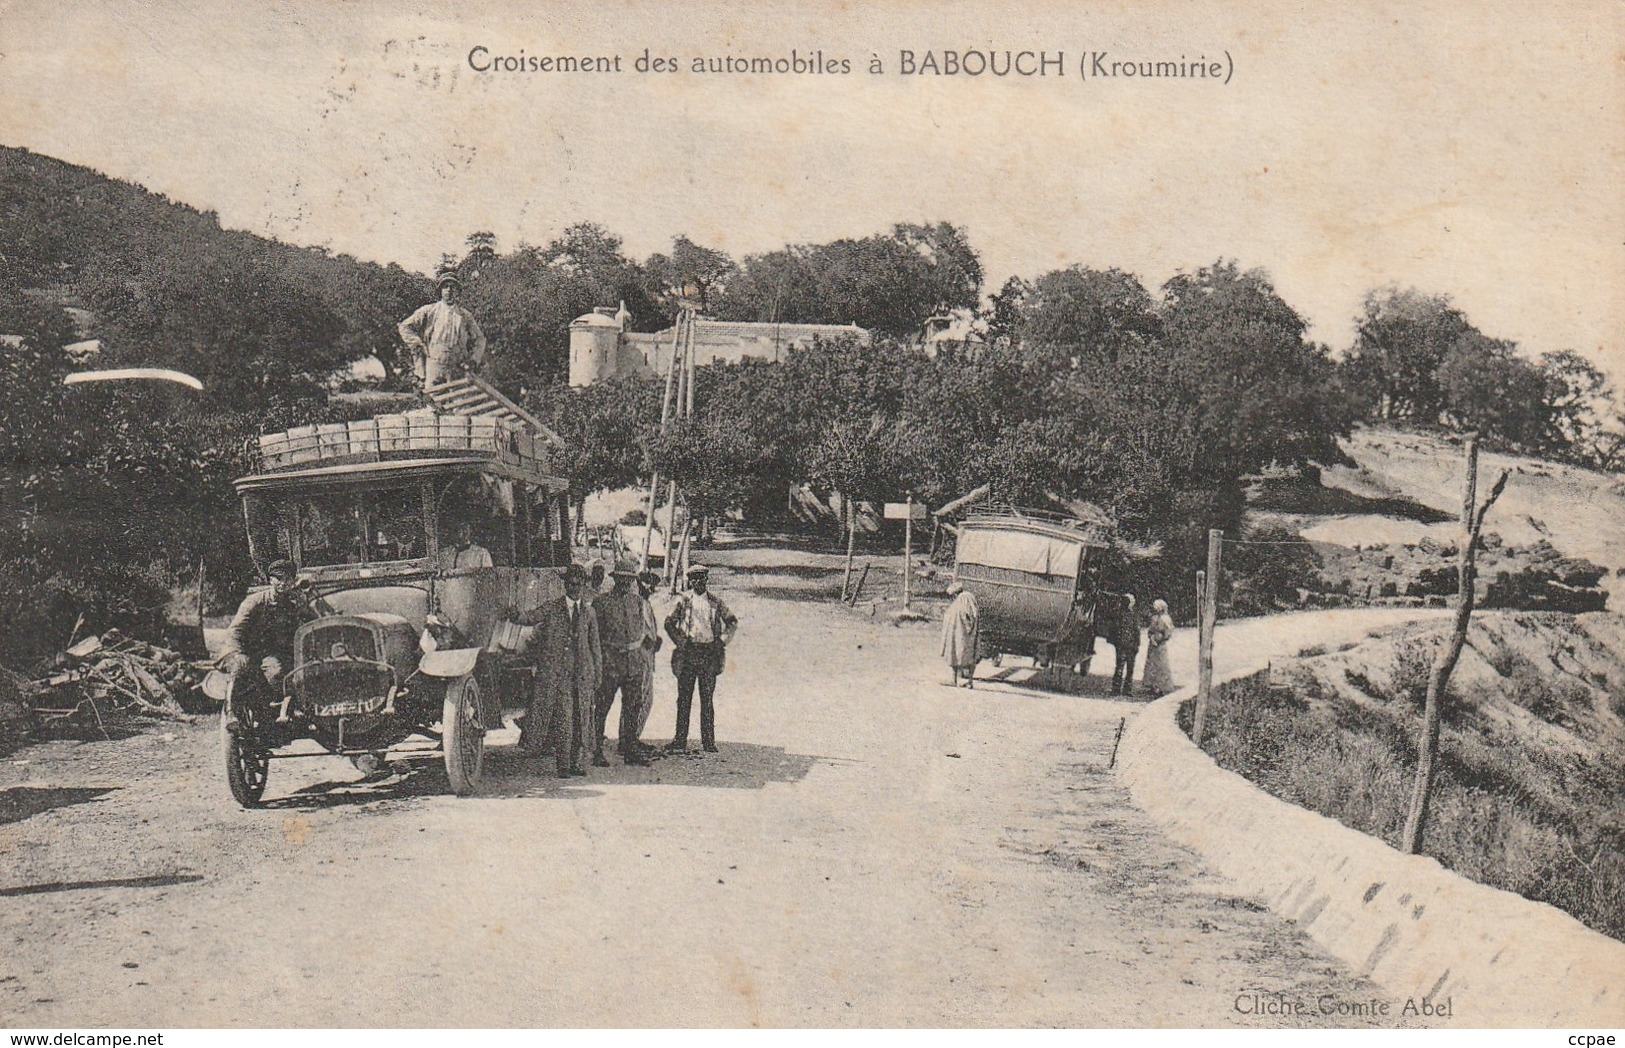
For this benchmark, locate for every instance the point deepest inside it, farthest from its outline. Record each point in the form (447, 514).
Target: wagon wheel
(248, 761)
(462, 736)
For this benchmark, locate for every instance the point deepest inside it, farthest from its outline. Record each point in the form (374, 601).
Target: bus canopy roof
(1034, 551)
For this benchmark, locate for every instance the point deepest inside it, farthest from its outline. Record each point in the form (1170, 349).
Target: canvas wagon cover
(1020, 551)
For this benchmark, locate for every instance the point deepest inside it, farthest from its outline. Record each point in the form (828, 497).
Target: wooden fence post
(1201, 647)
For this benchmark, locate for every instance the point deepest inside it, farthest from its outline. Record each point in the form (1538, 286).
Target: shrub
(1409, 672)
(1267, 570)
(40, 606)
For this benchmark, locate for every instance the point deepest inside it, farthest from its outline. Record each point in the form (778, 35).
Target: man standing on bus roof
(443, 337)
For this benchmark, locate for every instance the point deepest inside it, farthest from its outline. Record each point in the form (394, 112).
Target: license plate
(351, 707)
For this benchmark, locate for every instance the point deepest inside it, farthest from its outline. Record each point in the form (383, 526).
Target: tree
(606, 428)
(1487, 387)
(1401, 342)
(889, 284)
(1004, 314)
(693, 273)
(1472, 526)
(234, 319)
(1577, 401)
(1258, 391)
(1088, 315)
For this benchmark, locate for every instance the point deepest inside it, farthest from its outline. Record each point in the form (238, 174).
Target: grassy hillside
(1531, 790)
(110, 494)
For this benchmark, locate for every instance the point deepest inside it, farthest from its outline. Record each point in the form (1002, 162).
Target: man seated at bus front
(463, 551)
(259, 643)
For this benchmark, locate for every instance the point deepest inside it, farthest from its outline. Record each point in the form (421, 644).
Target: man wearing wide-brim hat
(443, 338)
(700, 627)
(627, 636)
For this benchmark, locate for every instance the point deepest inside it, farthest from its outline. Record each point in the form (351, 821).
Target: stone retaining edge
(1404, 921)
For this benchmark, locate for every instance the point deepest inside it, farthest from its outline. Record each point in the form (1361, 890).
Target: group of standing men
(592, 648)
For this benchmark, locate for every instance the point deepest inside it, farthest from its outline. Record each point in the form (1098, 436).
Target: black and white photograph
(807, 515)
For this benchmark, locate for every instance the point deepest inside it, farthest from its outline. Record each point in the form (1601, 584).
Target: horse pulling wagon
(408, 638)
(1038, 580)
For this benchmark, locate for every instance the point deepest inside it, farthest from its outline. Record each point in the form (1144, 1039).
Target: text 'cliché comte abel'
(971, 64)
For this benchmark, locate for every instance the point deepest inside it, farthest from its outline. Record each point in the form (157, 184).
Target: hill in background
(1387, 527)
(162, 283)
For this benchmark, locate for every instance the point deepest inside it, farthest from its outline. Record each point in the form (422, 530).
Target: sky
(1465, 148)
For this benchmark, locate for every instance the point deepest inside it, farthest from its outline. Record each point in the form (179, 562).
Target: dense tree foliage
(1095, 315)
(1416, 357)
(889, 284)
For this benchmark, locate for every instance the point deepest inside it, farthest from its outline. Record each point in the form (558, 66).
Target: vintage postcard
(811, 514)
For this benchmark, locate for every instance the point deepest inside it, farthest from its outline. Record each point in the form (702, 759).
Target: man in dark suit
(1125, 640)
(569, 661)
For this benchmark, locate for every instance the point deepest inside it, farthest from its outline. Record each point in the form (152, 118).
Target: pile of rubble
(100, 678)
(1533, 578)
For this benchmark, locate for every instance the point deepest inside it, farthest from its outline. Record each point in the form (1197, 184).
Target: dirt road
(870, 848)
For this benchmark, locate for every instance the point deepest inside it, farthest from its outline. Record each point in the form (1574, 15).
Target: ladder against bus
(473, 397)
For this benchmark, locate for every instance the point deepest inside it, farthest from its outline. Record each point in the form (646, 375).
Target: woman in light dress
(1158, 678)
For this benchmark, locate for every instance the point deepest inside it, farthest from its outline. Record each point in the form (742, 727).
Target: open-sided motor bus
(409, 637)
(1038, 581)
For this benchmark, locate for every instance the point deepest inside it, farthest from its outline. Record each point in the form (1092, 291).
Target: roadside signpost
(908, 512)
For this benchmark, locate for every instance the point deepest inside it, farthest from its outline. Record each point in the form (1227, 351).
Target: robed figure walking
(960, 626)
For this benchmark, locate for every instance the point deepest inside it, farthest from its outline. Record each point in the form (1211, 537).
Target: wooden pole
(670, 568)
(853, 600)
(1201, 649)
(1208, 613)
(908, 551)
(665, 418)
(851, 536)
(688, 368)
(683, 553)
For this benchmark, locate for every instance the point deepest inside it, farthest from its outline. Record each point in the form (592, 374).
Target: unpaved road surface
(870, 848)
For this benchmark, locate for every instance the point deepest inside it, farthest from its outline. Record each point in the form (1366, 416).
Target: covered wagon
(1038, 580)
